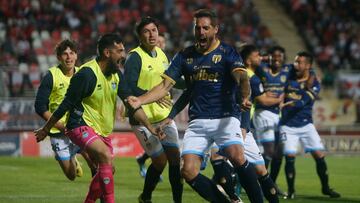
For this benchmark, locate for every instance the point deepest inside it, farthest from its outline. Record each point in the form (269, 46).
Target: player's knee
(70, 175)
(260, 170)
(237, 159)
(104, 156)
(159, 162)
(188, 172)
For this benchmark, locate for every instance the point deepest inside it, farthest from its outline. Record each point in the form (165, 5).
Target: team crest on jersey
(150, 67)
(61, 85)
(106, 180)
(216, 58)
(113, 85)
(85, 134)
(302, 85)
(99, 87)
(283, 78)
(189, 61)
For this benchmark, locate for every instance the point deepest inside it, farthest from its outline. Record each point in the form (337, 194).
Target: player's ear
(216, 29)
(106, 52)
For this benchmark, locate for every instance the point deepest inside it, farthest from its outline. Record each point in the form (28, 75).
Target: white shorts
(252, 151)
(63, 148)
(265, 123)
(307, 134)
(151, 144)
(202, 133)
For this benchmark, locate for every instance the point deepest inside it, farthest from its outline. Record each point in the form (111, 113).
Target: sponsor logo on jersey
(189, 61)
(113, 85)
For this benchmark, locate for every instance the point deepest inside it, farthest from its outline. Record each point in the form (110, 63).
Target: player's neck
(148, 48)
(67, 72)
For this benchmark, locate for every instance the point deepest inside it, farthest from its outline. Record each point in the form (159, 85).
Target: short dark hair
(145, 21)
(207, 13)
(246, 51)
(309, 57)
(108, 40)
(277, 48)
(63, 45)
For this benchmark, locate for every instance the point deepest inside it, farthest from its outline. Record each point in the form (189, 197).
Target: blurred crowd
(331, 30)
(29, 29)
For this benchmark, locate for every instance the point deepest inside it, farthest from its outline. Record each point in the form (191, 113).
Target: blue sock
(290, 173)
(268, 188)
(151, 180)
(176, 183)
(223, 176)
(207, 189)
(248, 180)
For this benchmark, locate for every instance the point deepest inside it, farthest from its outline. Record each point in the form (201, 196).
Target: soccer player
(266, 116)
(250, 55)
(296, 124)
(143, 157)
(49, 95)
(91, 101)
(213, 72)
(143, 69)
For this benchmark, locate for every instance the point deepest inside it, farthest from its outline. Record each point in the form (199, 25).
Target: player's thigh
(311, 139)
(196, 139)
(252, 151)
(290, 137)
(226, 132)
(150, 143)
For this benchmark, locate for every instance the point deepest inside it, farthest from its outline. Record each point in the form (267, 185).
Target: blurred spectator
(331, 30)
(31, 28)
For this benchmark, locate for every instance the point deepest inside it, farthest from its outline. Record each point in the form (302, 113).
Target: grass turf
(39, 180)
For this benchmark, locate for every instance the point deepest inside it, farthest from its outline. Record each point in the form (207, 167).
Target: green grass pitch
(41, 180)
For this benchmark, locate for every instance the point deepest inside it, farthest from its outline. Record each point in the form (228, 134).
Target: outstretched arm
(152, 95)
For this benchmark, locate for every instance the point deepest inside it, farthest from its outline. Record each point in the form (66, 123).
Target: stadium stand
(30, 29)
(330, 30)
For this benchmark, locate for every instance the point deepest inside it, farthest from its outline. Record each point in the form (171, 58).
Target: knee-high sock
(321, 170)
(94, 190)
(107, 182)
(176, 183)
(207, 189)
(223, 176)
(248, 180)
(268, 188)
(151, 180)
(290, 173)
(275, 168)
(143, 158)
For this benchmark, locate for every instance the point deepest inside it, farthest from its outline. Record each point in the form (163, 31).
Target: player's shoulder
(226, 48)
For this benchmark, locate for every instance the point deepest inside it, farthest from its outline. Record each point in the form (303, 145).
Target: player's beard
(112, 68)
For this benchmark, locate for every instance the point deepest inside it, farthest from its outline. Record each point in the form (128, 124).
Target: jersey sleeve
(234, 60)
(256, 86)
(174, 72)
(132, 71)
(82, 84)
(43, 94)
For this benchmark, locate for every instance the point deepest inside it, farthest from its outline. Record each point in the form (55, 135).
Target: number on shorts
(55, 147)
(143, 133)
